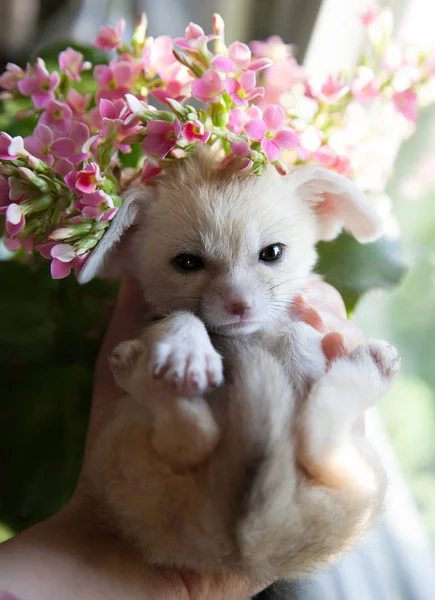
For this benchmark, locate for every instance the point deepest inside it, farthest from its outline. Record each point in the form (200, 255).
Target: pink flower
(194, 38)
(97, 205)
(175, 90)
(194, 131)
(329, 91)
(16, 147)
(60, 269)
(313, 148)
(64, 259)
(110, 38)
(137, 64)
(158, 56)
(240, 148)
(239, 158)
(10, 78)
(328, 158)
(95, 120)
(221, 63)
(280, 78)
(365, 86)
(370, 15)
(39, 85)
(5, 143)
(63, 167)
(243, 91)
(273, 47)
(57, 115)
(177, 82)
(71, 179)
(13, 245)
(208, 87)
(150, 170)
(112, 112)
(239, 58)
(77, 103)
(240, 54)
(70, 147)
(39, 143)
(72, 64)
(88, 179)
(270, 132)
(117, 117)
(407, 104)
(114, 80)
(161, 138)
(239, 116)
(15, 221)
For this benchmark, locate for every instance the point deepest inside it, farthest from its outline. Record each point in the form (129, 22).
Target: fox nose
(239, 308)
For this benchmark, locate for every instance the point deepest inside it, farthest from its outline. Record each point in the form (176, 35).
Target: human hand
(321, 306)
(73, 555)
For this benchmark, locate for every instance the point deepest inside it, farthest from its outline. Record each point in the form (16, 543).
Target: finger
(333, 346)
(228, 586)
(326, 295)
(301, 311)
(127, 317)
(352, 334)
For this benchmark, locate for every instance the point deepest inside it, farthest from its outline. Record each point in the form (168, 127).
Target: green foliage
(14, 126)
(51, 332)
(354, 269)
(132, 159)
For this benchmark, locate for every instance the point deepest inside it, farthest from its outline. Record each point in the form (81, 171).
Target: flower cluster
(61, 186)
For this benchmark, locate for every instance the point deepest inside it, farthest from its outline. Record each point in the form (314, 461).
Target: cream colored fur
(234, 448)
(265, 476)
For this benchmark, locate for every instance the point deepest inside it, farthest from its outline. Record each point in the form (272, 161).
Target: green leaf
(132, 159)
(45, 410)
(12, 126)
(51, 333)
(355, 268)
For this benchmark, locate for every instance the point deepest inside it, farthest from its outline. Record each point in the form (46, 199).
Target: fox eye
(188, 262)
(271, 253)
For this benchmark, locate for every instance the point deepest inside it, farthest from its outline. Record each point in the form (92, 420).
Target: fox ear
(126, 216)
(337, 202)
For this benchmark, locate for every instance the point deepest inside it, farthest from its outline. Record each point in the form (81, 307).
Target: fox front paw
(189, 365)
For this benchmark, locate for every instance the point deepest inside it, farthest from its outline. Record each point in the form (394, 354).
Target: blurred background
(50, 331)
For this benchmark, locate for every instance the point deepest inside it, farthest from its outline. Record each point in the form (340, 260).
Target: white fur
(182, 355)
(264, 475)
